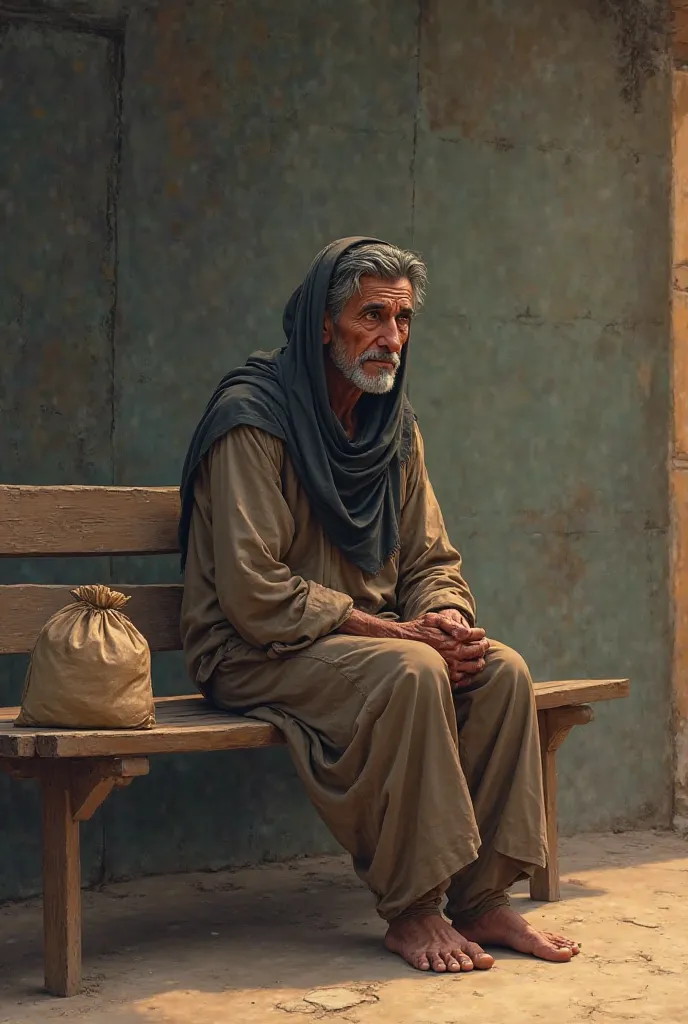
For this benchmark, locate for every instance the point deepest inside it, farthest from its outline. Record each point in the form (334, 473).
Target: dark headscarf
(354, 486)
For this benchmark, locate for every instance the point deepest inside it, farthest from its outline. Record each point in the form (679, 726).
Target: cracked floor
(299, 942)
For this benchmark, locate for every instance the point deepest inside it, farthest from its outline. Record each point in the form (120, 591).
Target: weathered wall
(57, 121)
(235, 140)
(542, 206)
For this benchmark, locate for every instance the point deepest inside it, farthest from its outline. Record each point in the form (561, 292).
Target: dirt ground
(297, 943)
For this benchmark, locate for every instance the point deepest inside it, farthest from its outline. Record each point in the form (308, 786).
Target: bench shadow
(308, 930)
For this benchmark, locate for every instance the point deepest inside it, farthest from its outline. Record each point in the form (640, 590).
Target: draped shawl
(354, 485)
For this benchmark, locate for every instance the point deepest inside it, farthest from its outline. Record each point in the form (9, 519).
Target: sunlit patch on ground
(300, 942)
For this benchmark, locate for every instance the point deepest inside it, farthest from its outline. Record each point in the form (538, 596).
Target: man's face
(366, 342)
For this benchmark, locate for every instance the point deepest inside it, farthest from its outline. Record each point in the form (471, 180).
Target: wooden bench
(77, 770)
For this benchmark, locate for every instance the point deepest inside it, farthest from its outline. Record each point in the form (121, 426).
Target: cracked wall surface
(189, 161)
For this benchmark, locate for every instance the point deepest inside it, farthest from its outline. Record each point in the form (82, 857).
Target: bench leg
(72, 792)
(555, 724)
(61, 884)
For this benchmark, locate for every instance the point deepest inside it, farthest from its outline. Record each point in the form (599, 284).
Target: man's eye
(373, 314)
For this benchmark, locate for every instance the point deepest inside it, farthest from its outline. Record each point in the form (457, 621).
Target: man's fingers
(471, 667)
(469, 652)
(468, 636)
(450, 626)
(433, 619)
(463, 673)
(467, 657)
(472, 633)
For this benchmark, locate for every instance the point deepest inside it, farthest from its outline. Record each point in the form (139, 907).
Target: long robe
(427, 789)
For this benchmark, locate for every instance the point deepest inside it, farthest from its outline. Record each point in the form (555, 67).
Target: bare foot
(428, 942)
(504, 927)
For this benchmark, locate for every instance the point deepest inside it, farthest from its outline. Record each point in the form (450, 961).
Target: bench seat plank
(184, 725)
(572, 692)
(14, 742)
(187, 724)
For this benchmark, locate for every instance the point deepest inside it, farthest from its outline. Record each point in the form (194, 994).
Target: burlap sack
(90, 668)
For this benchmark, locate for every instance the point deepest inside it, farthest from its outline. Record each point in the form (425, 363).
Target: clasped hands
(463, 647)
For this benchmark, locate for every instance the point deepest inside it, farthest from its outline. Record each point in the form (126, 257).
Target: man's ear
(328, 328)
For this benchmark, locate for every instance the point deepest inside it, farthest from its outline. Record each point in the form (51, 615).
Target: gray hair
(374, 259)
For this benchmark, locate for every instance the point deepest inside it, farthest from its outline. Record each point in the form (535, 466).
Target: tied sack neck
(100, 597)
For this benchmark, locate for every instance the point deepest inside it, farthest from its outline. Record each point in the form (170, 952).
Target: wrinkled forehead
(397, 294)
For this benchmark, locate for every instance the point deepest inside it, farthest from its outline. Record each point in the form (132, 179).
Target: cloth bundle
(90, 668)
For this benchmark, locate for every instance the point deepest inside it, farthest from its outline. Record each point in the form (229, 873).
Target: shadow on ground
(216, 946)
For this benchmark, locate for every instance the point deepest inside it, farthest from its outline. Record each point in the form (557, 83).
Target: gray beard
(352, 368)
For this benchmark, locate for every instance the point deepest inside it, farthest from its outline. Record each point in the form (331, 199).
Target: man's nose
(390, 338)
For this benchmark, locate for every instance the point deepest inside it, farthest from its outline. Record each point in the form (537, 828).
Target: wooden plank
(26, 607)
(21, 767)
(94, 780)
(231, 733)
(61, 884)
(40, 521)
(13, 742)
(579, 691)
(191, 724)
(554, 725)
(544, 884)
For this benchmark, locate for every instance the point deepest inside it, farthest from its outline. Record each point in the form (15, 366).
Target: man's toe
(561, 942)
(437, 963)
(421, 962)
(546, 950)
(451, 962)
(480, 959)
(465, 962)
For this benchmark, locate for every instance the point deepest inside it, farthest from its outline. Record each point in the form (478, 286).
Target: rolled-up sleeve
(253, 529)
(430, 576)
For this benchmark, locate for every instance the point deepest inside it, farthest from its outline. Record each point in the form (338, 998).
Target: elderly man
(322, 595)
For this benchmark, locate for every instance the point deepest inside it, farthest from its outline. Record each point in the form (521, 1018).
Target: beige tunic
(409, 777)
(261, 568)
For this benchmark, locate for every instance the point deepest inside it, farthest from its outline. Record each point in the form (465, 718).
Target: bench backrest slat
(25, 608)
(65, 521)
(37, 521)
